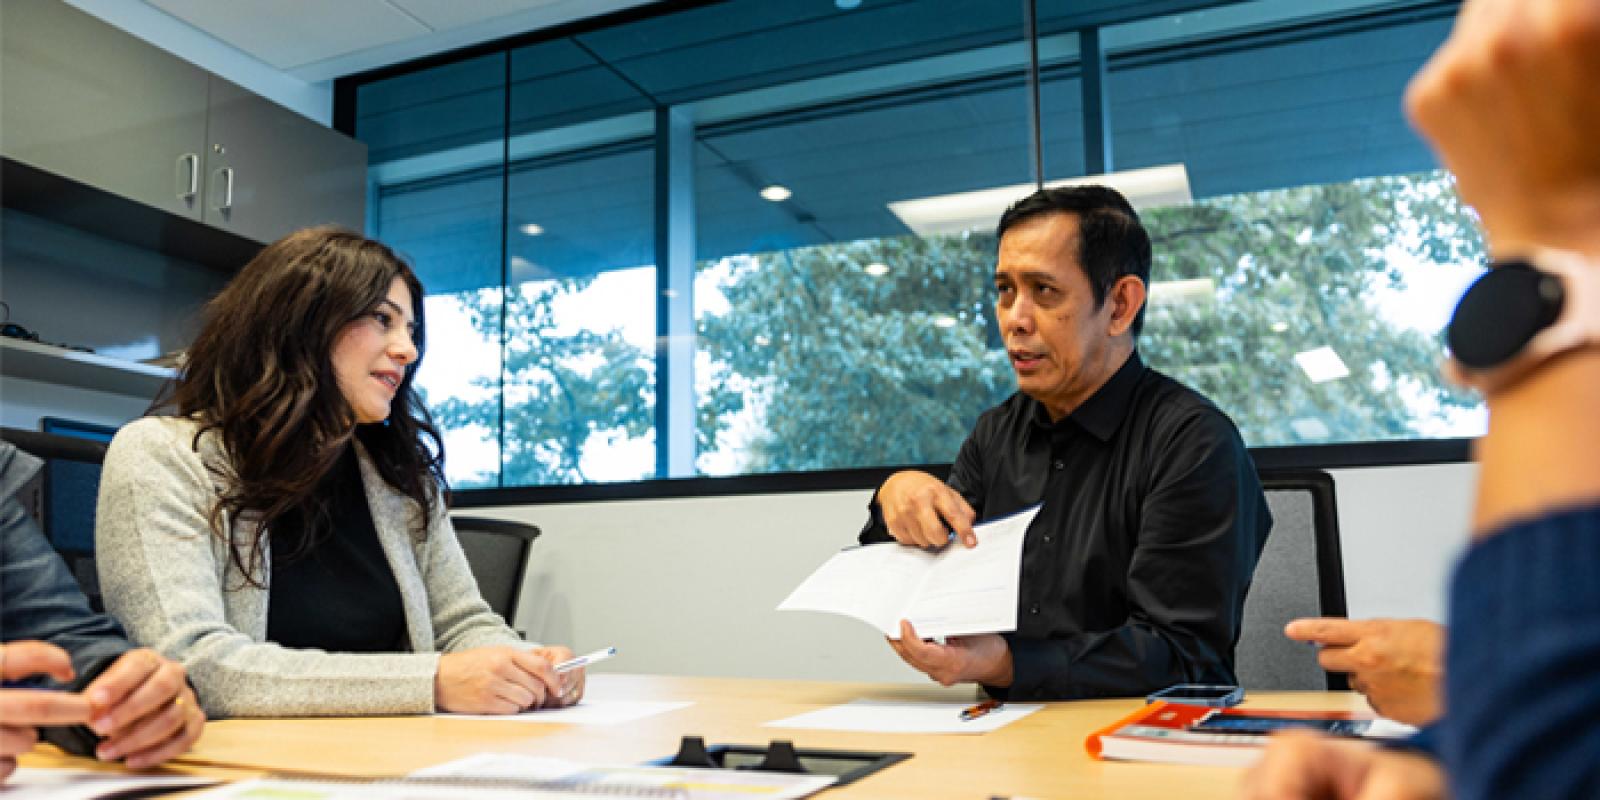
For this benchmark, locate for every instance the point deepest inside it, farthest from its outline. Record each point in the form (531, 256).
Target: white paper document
(588, 712)
(955, 591)
(897, 716)
(633, 781)
(32, 783)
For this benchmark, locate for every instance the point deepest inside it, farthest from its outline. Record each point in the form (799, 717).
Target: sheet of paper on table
(866, 715)
(32, 783)
(588, 712)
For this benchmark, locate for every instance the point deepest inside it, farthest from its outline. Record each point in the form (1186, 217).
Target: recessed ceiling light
(1148, 187)
(1322, 365)
(1280, 327)
(945, 321)
(877, 269)
(776, 193)
(532, 229)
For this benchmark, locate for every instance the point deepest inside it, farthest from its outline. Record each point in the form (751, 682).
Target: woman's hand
(495, 680)
(572, 681)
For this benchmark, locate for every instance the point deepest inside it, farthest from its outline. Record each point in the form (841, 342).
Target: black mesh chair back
(1300, 575)
(497, 552)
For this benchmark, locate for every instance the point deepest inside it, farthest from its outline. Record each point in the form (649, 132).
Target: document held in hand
(954, 591)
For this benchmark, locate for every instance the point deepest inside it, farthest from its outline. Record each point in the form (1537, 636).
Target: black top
(1134, 573)
(340, 595)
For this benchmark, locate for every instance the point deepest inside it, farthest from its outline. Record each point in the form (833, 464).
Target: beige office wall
(1402, 529)
(688, 586)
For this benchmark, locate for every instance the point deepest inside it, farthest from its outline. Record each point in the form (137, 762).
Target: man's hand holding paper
(956, 591)
(922, 511)
(985, 658)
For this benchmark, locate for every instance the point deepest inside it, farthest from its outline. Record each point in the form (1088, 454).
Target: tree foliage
(1300, 269)
(561, 388)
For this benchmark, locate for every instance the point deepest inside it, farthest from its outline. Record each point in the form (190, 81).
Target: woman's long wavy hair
(261, 375)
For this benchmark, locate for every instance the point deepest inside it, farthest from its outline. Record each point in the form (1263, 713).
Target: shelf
(50, 364)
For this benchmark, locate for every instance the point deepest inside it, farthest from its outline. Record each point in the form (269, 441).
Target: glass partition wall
(746, 237)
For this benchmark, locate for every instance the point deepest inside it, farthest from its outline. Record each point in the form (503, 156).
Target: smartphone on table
(1199, 694)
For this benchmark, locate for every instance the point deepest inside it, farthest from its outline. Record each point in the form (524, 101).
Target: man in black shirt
(1135, 571)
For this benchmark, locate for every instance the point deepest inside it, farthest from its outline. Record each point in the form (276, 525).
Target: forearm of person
(461, 618)
(40, 600)
(1130, 661)
(1521, 662)
(1540, 451)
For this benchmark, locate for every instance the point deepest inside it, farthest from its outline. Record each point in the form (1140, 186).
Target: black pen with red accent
(971, 713)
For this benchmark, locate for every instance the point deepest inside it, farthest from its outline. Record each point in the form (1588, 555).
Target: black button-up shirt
(1135, 571)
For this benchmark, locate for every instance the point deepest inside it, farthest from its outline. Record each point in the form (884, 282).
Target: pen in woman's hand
(585, 660)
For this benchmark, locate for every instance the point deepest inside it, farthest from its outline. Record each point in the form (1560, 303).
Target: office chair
(1300, 574)
(497, 552)
(63, 498)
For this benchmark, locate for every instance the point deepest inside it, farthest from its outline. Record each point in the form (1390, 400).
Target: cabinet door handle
(187, 189)
(226, 174)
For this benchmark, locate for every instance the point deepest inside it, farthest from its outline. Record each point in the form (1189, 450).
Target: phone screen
(1242, 723)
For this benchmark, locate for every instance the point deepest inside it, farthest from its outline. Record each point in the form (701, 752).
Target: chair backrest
(1300, 574)
(64, 499)
(497, 552)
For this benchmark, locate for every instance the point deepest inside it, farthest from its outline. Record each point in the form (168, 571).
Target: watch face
(1504, 309)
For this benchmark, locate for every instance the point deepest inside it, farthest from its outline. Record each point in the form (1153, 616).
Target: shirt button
(1047, 539)
(1034, 609)
(1059, 464)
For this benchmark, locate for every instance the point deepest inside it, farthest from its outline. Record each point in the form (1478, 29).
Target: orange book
(1175, 733)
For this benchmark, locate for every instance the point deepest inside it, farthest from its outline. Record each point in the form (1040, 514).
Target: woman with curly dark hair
(283, 534)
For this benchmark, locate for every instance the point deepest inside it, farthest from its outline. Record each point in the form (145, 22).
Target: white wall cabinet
(86, 102)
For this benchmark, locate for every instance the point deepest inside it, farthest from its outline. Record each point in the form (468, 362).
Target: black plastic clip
(781, 757)
(692, 753)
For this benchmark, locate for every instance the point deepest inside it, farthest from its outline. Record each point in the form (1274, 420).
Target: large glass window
(435, 140)
(1305, 288)
(755, 237)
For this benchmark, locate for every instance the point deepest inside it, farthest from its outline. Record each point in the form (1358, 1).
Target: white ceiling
(318, 40)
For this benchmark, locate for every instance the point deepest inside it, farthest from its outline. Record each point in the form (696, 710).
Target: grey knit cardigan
(170, 581)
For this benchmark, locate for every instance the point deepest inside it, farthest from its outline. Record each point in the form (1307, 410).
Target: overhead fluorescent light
(1149, 187)
(877, 269)
(945, 321)
(532, 229)
(1322, 365)
(1177, 293)
(776, 193)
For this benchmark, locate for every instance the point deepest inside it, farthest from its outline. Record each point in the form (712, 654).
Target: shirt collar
(1105, 409)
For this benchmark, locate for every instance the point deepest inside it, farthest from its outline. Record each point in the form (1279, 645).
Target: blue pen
(585, 660)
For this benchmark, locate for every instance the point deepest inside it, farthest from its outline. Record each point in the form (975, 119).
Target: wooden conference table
(1040, 756)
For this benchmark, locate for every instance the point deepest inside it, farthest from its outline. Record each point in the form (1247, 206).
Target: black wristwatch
(1521, 313)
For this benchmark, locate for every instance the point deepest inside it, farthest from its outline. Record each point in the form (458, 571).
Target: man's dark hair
(1111, 242)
